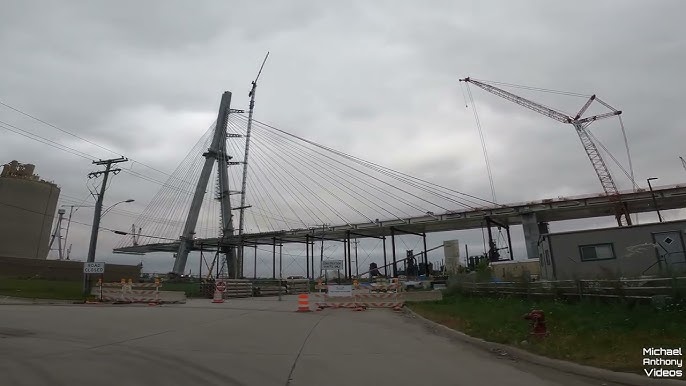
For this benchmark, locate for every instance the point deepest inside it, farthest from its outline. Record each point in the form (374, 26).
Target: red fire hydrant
(537, 318)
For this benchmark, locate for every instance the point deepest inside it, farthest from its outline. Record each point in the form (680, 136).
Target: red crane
(580, 124)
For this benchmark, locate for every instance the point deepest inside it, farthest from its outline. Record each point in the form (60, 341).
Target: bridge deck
(550, 210)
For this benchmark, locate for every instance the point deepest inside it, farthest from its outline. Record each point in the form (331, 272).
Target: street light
(654, 199)
(120, 202)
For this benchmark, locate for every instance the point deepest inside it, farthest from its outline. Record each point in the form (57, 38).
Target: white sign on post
(93, 268)
(332, 265)
(339, 291)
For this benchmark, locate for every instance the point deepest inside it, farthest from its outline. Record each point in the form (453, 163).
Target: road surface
(260, 342)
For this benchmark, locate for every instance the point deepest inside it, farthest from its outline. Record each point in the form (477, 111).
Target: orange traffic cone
(303, 303)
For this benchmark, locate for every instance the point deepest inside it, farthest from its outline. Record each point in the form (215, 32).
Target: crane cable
(483, 143)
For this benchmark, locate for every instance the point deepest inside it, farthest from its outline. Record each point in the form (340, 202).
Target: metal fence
(645, 288)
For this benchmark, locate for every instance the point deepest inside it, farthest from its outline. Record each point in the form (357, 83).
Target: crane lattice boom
(580, 124)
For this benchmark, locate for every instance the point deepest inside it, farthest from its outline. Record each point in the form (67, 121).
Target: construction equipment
(683, 162)
(580, 124)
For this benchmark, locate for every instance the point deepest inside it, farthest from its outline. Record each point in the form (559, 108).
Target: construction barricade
(338, 296)
(130, 292)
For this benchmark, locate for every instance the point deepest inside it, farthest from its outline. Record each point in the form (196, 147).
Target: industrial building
(27, 210)
(655, 249)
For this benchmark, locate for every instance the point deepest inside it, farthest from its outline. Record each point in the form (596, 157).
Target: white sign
(338, 291)
(93, 267)
(332, 265)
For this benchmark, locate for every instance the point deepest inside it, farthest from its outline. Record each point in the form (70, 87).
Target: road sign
(332, 265)
(221, 286)
(93, 268)
(337, 291)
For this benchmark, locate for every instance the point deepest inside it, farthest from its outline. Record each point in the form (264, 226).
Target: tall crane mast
(580, 124)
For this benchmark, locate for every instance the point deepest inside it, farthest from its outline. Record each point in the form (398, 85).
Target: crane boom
(603, 173)
(556, 115)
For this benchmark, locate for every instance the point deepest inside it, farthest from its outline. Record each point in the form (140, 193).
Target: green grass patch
(71, 290)
(609, 335)
(42, 289)
(192, 290)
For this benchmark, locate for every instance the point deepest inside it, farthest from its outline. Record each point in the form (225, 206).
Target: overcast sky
(375, 79)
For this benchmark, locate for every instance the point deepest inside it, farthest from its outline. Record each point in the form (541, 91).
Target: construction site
(341, 193)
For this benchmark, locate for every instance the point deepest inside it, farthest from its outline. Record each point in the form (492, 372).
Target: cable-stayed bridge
(293, 190)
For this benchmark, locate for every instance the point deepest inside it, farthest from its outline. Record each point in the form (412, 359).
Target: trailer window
(597, 252)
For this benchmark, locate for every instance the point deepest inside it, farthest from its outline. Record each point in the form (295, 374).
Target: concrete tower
(27, 211)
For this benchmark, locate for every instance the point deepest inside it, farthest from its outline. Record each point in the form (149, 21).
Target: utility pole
(98, 210)
(57, 234)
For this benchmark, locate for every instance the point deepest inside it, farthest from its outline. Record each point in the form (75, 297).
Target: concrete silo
(27, 211)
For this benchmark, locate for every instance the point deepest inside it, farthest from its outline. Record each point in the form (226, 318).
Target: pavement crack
(130, 339)
(295, 362)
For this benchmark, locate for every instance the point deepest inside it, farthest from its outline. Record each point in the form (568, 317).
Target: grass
(192, 290)
(41, 289)
(605, 335)
(70, 290)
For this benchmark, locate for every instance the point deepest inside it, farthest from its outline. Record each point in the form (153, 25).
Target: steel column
(350, 259)
(274, 258)
(345, 259)
(385, 261)
(395, 262)
(426, 257)
(307, 257)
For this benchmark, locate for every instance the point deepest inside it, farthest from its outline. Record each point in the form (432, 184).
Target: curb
(628, 379)
(16, 301)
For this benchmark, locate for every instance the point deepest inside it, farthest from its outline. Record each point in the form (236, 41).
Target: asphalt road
(260, 342)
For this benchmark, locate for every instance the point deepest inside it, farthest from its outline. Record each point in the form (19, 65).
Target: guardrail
(644, 288)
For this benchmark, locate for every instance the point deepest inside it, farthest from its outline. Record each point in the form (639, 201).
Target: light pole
(654, 199)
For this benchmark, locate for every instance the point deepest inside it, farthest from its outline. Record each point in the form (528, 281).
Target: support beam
(385, 261)
(274, 258)
(312, 254)
(531, 234)
(350, 259)
(307, 257)
(395, 262)
(509, 242)
(345, 258)
(493, 250)
(364, 235)
(426, 258)
(408, 232)
(255, 264)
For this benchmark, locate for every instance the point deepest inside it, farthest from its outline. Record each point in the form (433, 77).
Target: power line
(75, 135)
(76, 222)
